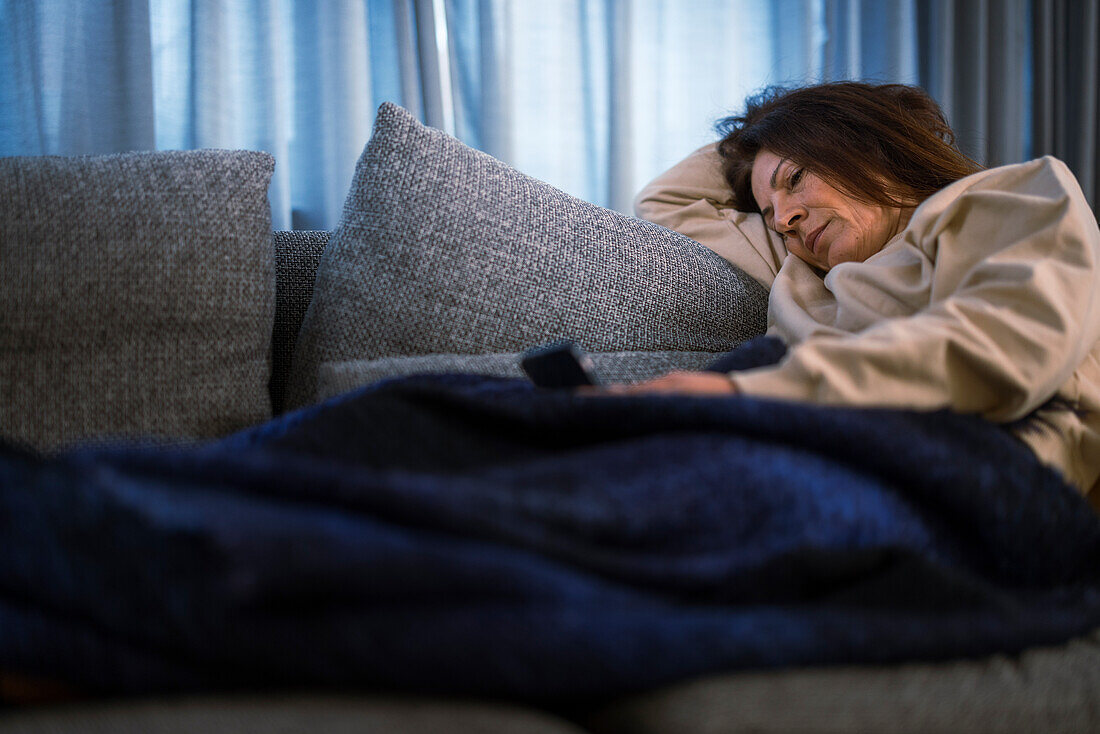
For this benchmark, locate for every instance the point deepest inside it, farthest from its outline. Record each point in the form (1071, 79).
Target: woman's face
(818, 223)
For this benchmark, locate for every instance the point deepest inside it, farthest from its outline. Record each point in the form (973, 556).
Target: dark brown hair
(885, 144)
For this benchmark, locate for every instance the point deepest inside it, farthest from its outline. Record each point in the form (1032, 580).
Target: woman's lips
(811, 241)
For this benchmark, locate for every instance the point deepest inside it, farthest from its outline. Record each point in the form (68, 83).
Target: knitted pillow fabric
(138, 296)
(297, 254)
(444, 249)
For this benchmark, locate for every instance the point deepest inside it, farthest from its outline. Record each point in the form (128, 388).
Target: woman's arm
(674, 383)
(1014, 257)
(694, 199)
(1015, 305)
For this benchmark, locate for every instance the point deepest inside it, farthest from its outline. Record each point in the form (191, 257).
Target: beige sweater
(987, 303)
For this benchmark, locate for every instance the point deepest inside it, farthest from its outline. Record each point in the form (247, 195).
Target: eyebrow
(776, 171)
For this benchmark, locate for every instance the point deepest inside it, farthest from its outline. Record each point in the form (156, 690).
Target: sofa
(147, 301)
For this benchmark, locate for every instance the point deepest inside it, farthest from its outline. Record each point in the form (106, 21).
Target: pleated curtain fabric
(1066, 102)
(593, 96)
(974, 62)
(869, 40)
(77, 77)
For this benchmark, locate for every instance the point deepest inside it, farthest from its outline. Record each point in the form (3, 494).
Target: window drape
(593, 96)
(977, 65)
(77, 77)
(1066, 103)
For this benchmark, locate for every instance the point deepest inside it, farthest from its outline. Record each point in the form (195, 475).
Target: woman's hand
(674, 383)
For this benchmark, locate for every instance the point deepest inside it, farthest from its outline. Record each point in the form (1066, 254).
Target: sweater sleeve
(694, 199)
(1013, 305)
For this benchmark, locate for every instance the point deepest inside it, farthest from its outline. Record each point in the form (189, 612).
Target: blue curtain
(77, 77)
(298, 78)
(1066, 99)
(977, 63)
(593, 96)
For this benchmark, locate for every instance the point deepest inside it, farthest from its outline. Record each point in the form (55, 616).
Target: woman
(902, 275)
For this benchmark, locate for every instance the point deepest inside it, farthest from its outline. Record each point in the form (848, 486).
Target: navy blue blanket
(477, 536)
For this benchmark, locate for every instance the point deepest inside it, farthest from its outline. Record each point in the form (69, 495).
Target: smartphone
(559, 364)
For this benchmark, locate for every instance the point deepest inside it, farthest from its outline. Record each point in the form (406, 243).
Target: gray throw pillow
(444, 249)
(137, 296)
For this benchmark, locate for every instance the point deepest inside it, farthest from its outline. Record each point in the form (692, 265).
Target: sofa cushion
(1047, 689)
(138, 296)
(444, 249)
(297, 254)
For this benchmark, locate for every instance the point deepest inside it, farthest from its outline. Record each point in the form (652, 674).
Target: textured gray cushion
(300, 714)
(137, 295)
(335, 378)
(1048, 689)
(443, 249)
(297, 254)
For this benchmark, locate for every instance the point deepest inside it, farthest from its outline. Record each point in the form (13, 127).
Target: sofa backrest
(297, 255)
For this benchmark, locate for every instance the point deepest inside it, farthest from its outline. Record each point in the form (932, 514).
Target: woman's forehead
(765, 172)
(763, 177)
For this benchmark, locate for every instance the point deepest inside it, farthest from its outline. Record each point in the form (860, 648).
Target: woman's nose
(787, 215)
